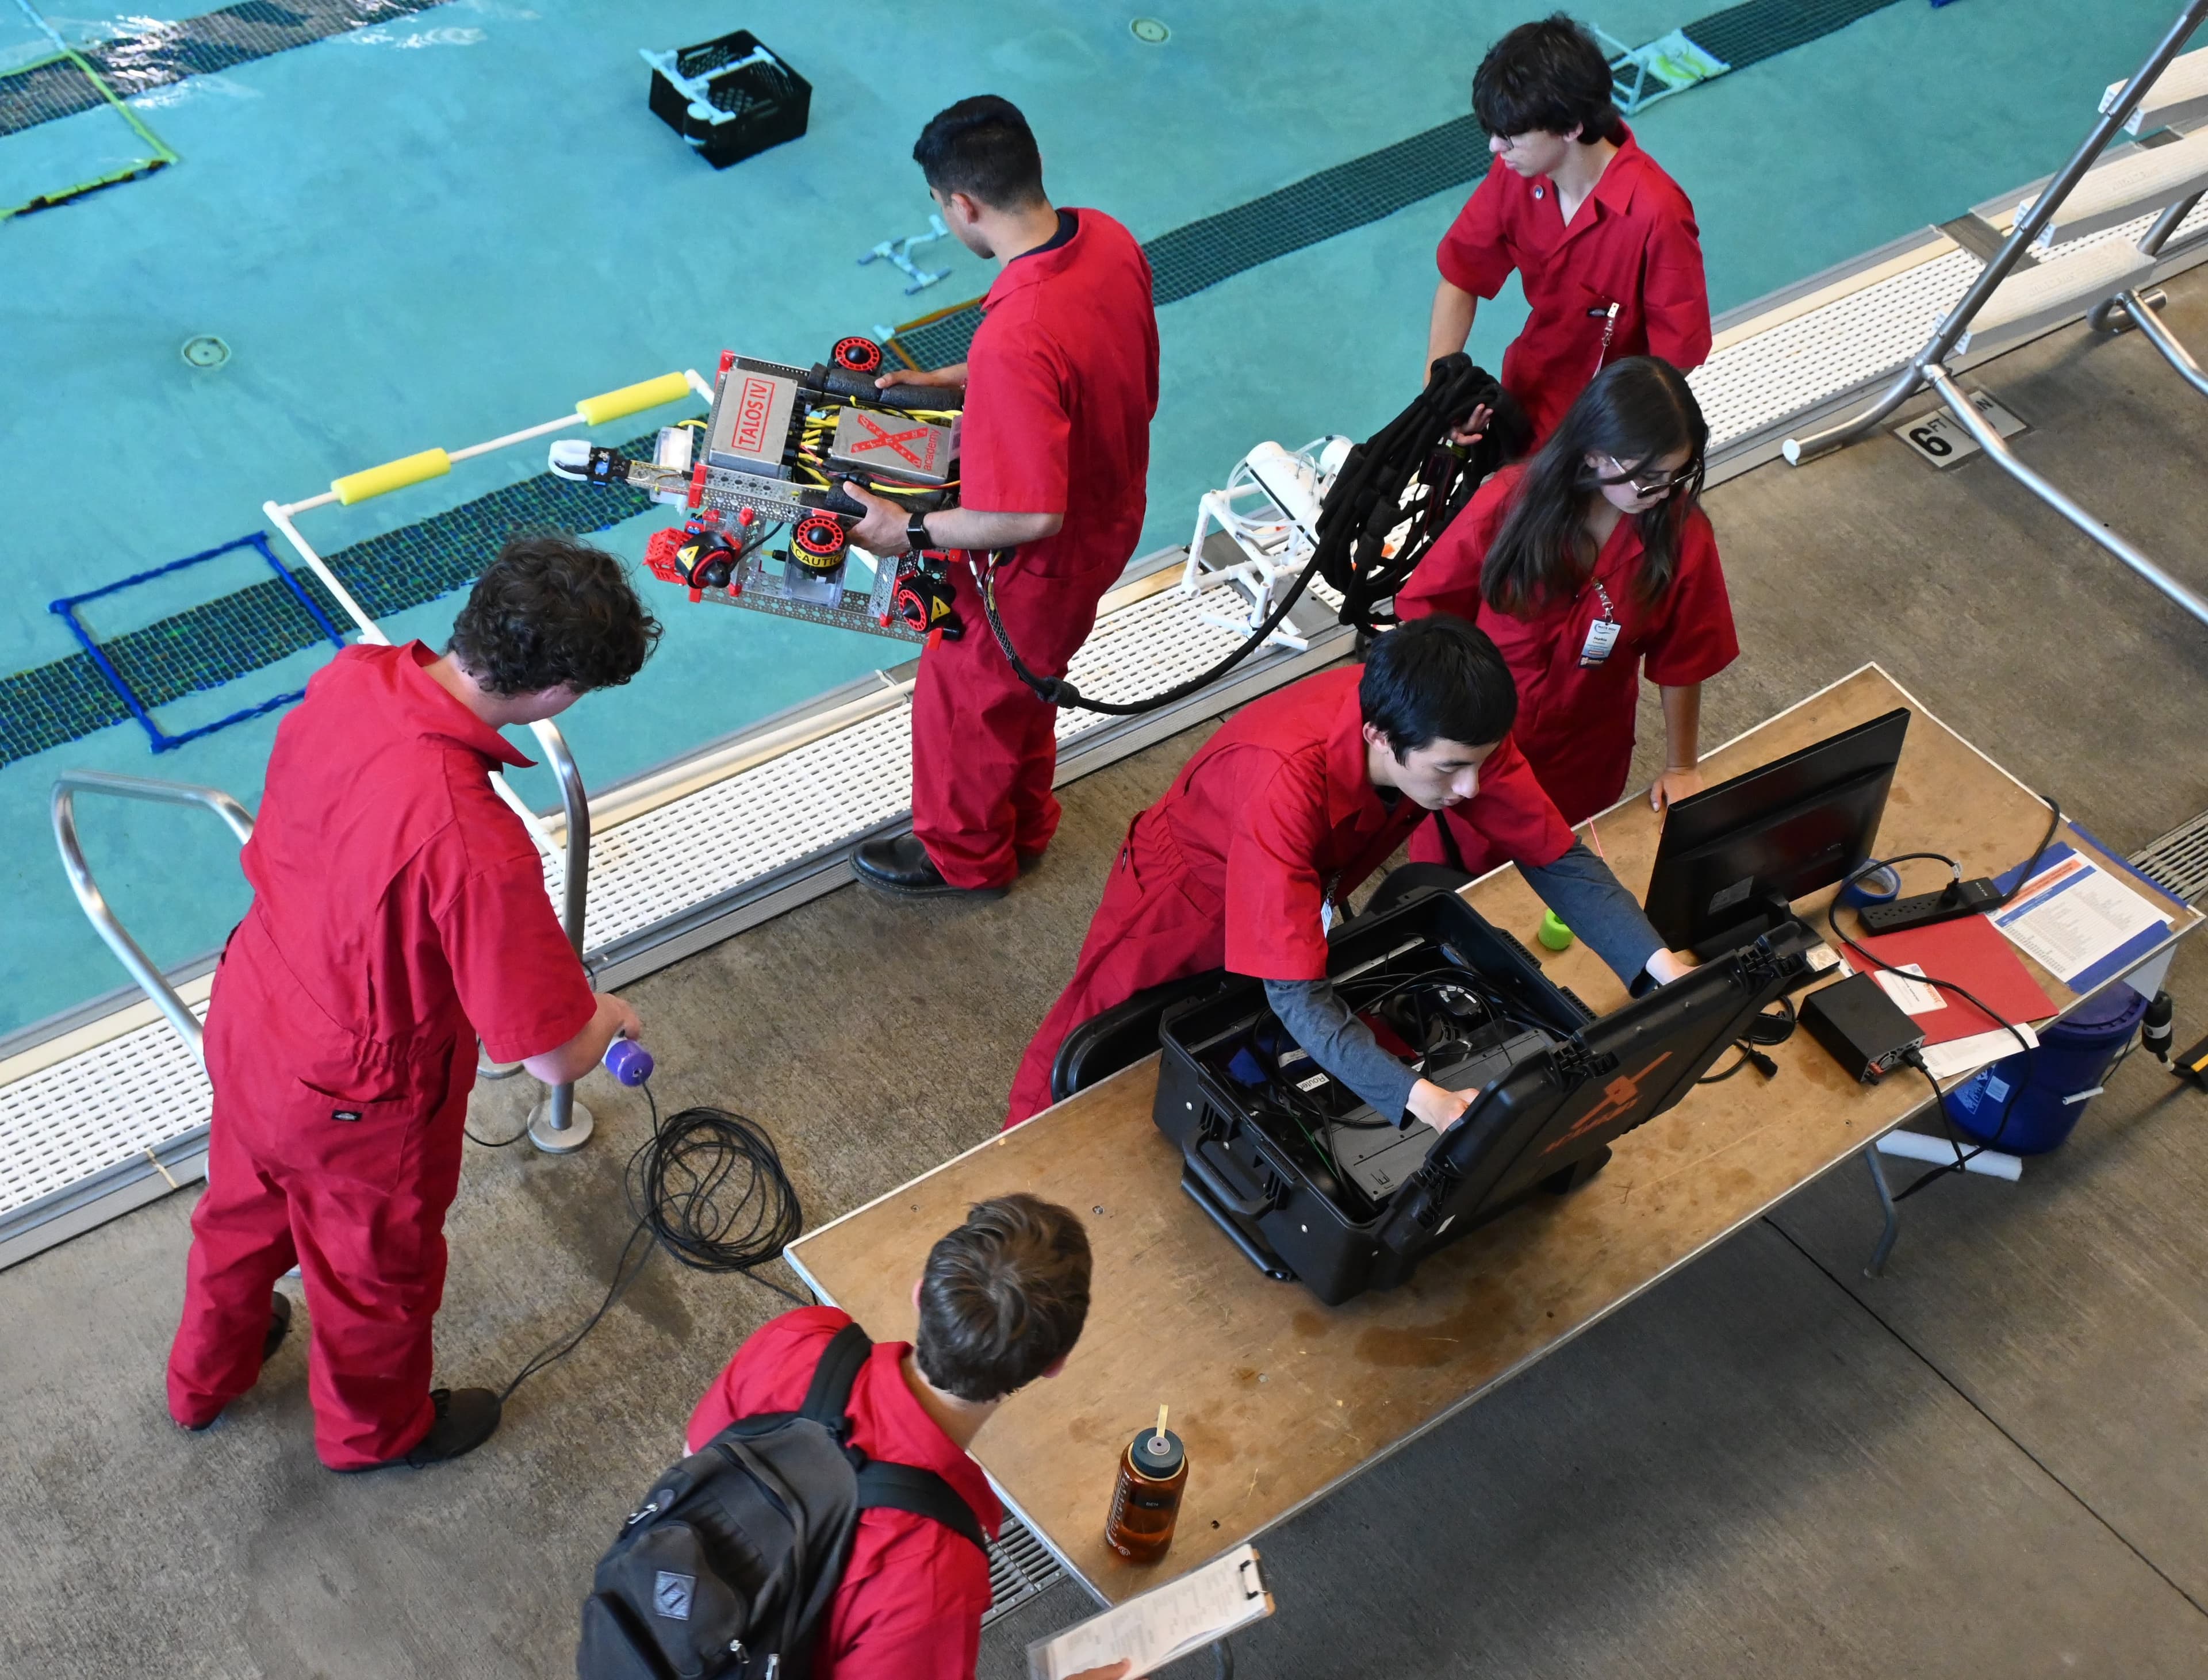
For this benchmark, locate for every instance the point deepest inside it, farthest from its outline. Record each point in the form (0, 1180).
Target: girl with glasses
(1586, 564)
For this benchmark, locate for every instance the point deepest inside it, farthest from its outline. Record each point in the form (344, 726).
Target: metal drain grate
(1775, 377)
(741, 830)
(2178, 863)
(107, 1107)
(1019, 1569)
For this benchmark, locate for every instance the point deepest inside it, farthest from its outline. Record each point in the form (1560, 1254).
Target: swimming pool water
(452, 224)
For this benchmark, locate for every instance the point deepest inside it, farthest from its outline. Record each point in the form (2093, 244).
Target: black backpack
(727, 1569)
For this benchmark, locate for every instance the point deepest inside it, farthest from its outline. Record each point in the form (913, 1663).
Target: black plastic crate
(730, 98)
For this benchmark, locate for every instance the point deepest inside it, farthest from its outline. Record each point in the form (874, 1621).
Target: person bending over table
(1281, 814)
(1587, 565)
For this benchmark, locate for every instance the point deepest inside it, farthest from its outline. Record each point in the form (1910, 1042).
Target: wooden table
(1280, 1398)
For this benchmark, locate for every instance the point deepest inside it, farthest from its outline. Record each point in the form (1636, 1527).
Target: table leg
(1892, 1214)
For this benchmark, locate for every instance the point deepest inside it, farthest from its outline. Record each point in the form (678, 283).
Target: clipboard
(1162, 1625)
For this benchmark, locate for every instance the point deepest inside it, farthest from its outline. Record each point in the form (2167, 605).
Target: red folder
(1970, 951)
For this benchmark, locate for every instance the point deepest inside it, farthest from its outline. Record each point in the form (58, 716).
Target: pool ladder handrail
(62, 803)
(555, 1125)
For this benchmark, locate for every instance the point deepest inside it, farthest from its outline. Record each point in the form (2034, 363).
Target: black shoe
(467, 1418)
(279, 1324)
(901, 868)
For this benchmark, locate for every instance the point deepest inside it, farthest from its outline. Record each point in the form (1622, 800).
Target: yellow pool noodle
(633, 398)
(391, 476)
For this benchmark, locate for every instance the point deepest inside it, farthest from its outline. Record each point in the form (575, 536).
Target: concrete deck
(1992, 1460)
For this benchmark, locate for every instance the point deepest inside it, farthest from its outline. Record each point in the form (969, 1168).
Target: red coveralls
(1061, 383)
(1633, 243)
(1273, 817)
(399, 911)
(910, 1604)
(1574, 721)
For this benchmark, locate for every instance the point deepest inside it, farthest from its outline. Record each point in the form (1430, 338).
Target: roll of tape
(1881, 886)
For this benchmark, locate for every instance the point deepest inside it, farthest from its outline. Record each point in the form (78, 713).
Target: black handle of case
(1242, 1207)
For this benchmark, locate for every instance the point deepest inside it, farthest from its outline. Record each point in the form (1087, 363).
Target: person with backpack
(864, 1443)
(1603, 240)
(1588, 566)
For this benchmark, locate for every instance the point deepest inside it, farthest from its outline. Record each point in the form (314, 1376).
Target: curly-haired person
(398, 914)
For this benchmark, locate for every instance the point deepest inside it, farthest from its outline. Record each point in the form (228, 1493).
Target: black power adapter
(1957, 898)
(1861, 1027)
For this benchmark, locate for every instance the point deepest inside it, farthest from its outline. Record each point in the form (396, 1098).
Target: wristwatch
(915, 532)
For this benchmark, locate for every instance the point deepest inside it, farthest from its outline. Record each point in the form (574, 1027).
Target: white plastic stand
(1269, 511)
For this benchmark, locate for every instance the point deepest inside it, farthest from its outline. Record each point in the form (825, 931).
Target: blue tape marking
(65, 608)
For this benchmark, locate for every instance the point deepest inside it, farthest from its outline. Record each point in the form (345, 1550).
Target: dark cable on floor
(709, 1187)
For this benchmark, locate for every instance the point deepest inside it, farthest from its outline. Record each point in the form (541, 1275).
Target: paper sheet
(1952, 1060)
(1911, 997)
(2072, 913)
(1163, 1624)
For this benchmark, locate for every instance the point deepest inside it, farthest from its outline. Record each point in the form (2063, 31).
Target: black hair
(1003, 1298)
(1438, 679)
(1637, 411)
(551, 610)
(1551, 76)
(983, 147)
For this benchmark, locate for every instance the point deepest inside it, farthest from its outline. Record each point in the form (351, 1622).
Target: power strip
(1957, 898)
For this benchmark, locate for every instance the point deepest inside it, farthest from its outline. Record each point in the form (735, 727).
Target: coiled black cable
(1406, 474)
(709, 1187)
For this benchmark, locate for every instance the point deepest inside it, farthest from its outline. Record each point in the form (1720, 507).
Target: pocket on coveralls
(367, 1137)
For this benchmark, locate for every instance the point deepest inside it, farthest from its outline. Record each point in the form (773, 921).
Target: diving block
(2032, 300)
(2136, 184)
(2180, 94)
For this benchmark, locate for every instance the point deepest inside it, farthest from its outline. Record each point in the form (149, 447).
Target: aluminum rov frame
(1929, 367)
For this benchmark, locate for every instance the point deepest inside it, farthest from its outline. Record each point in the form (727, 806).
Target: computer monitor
(1731, 857)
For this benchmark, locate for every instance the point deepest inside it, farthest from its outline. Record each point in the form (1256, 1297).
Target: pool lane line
(1194, 257)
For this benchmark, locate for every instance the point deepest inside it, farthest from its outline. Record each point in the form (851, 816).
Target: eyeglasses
(1647, 483)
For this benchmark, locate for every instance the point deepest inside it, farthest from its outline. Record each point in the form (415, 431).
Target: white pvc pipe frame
(279, 514)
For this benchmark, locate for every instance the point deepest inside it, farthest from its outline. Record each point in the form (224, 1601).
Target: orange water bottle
(1146, 1500)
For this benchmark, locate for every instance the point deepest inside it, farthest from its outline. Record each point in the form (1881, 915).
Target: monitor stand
(1772, 916)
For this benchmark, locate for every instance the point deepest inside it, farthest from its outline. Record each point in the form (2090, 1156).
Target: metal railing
(63, 805)
(1945, 337)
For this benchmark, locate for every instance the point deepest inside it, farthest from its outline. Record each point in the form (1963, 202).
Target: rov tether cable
(1406, 477)
(708, 1186)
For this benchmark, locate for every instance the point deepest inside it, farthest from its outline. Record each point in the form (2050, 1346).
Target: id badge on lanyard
(1609, 326)
(1602, 634)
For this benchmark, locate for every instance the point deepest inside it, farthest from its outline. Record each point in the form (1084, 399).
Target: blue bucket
(2074, 1055)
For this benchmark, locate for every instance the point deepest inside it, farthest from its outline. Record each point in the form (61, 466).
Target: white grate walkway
(96, 1110)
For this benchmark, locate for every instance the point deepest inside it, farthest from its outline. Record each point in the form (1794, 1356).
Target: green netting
(73, 68)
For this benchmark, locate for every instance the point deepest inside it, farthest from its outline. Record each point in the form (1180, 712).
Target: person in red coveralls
(1061, 382)
(1587, 565)
(1001, 1303)
(1603, 240)
(398, 914)
(1279, 816)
